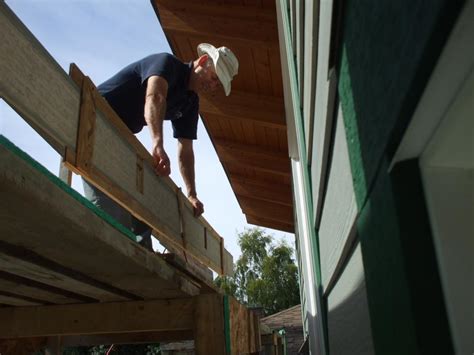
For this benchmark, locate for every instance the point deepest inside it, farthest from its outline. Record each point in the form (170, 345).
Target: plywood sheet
(56, 231)
(27, 71)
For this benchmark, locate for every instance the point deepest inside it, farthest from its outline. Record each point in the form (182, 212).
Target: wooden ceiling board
(262, 69)
(259, 221)
(275, 67)
(271, 177)
(237, 131)
(271, 136)
(283, 140)
(258, 158)
(268, 111)
(242, 31)
(248, 128)
(249, 132)
(267, 210)
(265, 193)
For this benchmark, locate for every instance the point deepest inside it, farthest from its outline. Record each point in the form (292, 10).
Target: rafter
(263, 110)
(267, 210)
(264, 222)
(280, 194)
(249, 31)
(252, 156)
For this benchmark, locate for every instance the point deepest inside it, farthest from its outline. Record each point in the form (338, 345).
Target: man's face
(207, 79)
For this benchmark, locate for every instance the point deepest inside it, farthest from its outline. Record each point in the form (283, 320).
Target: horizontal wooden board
(57, 277)
(57, 232)
(244, 31)
(33, 288)
(263, 110)
(51, 109)
(114, 317)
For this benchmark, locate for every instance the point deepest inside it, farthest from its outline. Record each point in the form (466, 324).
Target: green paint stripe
(65, 187)
(227, 324)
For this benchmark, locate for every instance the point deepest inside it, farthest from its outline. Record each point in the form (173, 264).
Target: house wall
(352, 79)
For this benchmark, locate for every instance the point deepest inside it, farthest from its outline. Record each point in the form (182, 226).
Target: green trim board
(66, 188)
(404, 292)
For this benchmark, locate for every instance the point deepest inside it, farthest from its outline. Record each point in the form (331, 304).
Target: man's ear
(203, 59)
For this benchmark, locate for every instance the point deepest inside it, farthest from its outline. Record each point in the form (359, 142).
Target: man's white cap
(225, 63)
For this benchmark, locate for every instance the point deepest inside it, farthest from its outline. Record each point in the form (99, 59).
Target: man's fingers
(162, 167)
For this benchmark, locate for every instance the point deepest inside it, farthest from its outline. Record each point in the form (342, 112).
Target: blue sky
(101, 37)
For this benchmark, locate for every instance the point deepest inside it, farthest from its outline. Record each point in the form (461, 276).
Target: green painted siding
(388, 52)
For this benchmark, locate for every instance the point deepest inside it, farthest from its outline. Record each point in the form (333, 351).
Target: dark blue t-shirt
(126, 90)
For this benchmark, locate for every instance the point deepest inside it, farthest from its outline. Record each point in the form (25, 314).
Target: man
(161, 87)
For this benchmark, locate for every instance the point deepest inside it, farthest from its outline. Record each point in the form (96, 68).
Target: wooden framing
(252, 118)
(200, 318)
(97, 318)
(76, 121)
(70, 274)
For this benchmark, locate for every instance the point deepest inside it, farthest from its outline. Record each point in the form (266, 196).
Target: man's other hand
(198, 207)
(162, 162)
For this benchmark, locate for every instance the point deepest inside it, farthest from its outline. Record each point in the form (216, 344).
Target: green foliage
(265, 275)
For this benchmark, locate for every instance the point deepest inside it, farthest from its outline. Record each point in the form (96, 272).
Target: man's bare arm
(186, 167)
(155, 110)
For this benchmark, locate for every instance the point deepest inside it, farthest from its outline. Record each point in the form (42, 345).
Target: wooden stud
(53, 346)
(222, 255)
(209, 335)
(64, 173)
(86, 129)
(139, 174)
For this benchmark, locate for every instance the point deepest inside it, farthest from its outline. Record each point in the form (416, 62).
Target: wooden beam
(112, 258)
(26, 287)
(223, 9)
(253, 156)
(20, 261)
(269, 223)
(247, 31)
(278, 193)
(22, 346)
(107, 164)
(261, 110)
(126, 338)
(52, 109)
(209, 337)
(267, 210)
(97, 318)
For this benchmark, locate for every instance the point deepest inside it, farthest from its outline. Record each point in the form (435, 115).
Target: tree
(265, 275)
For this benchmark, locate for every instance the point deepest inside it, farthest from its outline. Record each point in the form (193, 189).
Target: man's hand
(162, 162)
(198, 207)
